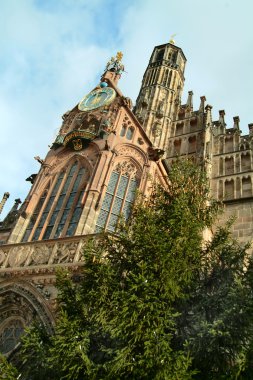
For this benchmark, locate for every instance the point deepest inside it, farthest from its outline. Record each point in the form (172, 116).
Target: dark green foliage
(216, 317)
(35, 361)
(7, 370)
(154, 301)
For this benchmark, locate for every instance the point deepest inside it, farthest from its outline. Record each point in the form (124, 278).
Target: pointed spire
(16, 204)
(202, 103)
(222, 118)
(3, 201)
(250, 126)
(190, 100)
(208, 110)
(236, 122)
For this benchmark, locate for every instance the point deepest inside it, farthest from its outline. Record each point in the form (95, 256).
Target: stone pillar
(3, 201)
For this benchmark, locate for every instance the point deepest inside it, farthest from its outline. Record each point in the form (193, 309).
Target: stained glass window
(63, 206)
(10, 335)
(123, 130)
(35, 216)
(130, 133)
(118, 200)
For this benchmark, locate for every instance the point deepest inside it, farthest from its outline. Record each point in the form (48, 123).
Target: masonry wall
(242, 210)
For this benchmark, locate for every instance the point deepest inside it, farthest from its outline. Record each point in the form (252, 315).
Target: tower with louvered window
(160, 94)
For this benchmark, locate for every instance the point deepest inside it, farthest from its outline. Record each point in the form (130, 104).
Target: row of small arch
(227, 164)
(227, 144)
(235, 188)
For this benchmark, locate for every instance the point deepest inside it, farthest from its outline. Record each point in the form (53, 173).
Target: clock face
(97, 98)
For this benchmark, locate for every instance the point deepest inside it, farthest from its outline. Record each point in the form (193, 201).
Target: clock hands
(96, 99)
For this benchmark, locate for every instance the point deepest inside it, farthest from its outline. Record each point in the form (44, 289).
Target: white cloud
(54, 52)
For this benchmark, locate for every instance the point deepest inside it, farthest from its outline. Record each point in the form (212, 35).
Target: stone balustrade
(42, 255)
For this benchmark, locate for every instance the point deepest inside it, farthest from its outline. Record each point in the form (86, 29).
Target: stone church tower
(105, 151)
(160, 94)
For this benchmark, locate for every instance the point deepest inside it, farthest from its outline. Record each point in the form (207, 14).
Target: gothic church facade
(104, 152)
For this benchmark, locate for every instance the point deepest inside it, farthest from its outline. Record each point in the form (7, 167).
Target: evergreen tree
(216, 316)
(154, 300)
(119, 323)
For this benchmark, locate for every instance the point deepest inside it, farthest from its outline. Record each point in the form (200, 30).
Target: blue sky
(54, 51)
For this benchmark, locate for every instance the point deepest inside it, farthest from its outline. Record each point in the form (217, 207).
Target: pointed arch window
(35, 215)
(123, 130)
(10, 334)
(130, 132)
(119, 197)
(127, 131)
(62, 208)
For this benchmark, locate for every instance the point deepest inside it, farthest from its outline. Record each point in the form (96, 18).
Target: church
(105, 150)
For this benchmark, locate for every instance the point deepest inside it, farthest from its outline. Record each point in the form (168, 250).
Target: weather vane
(119, 55)
(172, 41)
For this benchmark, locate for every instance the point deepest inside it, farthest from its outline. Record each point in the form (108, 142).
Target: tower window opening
(160, 54)
(154, 76)
(149, 75)
(169, 79)
(165, 75)
(146, 80)
(174, 57)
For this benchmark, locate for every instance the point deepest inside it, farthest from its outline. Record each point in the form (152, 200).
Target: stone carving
(41, 254)
(2, 256)
(127, 168)
(67, 121)
(18, 311)
(155, 154)
(36, 305)
(157, 129)
(18, 255)
(65, 253)
(126, 150)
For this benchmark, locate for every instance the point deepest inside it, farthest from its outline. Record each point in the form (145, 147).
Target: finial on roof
(119, 55)
(3, 201)
(115, 63)
(172, 41)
